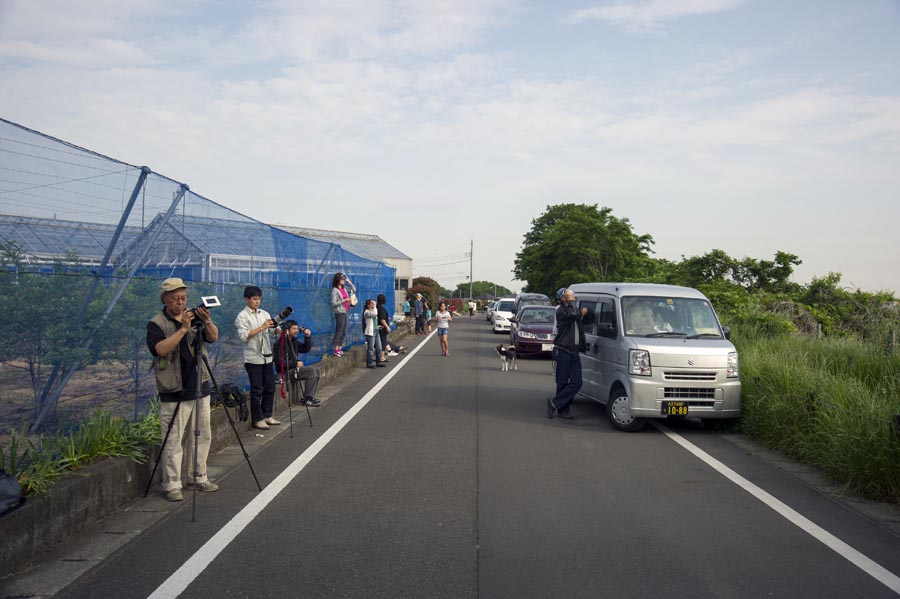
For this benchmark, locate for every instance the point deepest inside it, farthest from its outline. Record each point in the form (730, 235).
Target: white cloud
(650, 13)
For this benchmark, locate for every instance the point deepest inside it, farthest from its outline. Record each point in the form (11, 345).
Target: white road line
(187, 573)
(856, 558)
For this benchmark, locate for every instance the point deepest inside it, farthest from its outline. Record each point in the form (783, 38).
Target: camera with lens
(281, 316)
(206, 301)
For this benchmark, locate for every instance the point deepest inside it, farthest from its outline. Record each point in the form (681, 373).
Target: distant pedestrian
(419, 309)
(472, 307)
(567, 345)
(443, 318)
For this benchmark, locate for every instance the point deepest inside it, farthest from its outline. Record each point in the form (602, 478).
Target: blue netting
(60, 213)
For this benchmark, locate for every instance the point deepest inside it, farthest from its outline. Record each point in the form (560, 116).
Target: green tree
(46, 306)
(481, 289)
(428, 287)
(576, 243)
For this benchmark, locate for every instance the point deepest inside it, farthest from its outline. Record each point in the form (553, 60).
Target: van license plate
(674, 408)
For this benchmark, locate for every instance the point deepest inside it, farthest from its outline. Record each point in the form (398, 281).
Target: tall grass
(38, 462)
(827, 402)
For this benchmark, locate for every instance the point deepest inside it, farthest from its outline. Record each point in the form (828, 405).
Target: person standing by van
(568, 343)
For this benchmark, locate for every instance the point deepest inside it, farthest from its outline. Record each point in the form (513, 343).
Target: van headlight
(639, 362)
(732, 370)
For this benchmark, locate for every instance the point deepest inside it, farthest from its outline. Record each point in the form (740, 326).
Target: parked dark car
(531, 331)
(530, 299)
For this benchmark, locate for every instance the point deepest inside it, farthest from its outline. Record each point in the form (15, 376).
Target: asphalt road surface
(443, 477)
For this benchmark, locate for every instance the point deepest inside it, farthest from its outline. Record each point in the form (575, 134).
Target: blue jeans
(568, 379)
(373, 347)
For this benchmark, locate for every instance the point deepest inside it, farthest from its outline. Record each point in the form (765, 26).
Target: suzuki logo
(690, 361)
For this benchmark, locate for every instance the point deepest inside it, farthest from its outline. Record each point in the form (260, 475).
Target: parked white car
(490, 310)
(503, 311)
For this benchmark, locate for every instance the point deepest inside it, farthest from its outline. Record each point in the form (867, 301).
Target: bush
(38, 462)
(826, 402)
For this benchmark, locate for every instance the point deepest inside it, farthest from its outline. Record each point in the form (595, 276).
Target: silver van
(655, 351)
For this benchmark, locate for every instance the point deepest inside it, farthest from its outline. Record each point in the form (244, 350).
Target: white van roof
(650, 289)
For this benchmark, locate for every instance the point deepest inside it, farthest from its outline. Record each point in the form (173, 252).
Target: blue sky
(750, 126)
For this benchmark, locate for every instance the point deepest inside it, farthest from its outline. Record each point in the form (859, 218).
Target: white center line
(882, 575)
(197, 563)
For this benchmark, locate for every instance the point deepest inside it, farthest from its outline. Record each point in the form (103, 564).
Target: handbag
(353, 300)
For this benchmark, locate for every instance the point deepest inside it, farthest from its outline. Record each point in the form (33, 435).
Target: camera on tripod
(281, 316)
(206, 301)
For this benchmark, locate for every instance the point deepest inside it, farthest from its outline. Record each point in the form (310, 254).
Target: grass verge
(830, 403)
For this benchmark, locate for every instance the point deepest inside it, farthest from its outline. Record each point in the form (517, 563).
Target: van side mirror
(727, 332)
(606, 329)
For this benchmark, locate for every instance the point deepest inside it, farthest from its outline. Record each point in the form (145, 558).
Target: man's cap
(172, 285)
(559, 293)
(418, 295)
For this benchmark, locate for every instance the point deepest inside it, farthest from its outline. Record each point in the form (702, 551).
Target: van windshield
(645, 316)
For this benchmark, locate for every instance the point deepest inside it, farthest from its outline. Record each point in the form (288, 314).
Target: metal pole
(43, 409)
(471, 253)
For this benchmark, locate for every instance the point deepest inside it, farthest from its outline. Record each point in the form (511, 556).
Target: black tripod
(295, 380)
(198, 355)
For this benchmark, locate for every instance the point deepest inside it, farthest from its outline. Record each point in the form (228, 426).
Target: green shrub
(826, 402)
(38, 462)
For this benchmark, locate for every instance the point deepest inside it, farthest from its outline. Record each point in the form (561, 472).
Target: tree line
(578, 243)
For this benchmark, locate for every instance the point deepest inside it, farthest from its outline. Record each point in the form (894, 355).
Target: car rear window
(505, 307)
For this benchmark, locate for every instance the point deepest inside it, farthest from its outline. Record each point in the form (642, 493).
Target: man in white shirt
(255, 328)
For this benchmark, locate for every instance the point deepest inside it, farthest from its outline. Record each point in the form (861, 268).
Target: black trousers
(262, 390)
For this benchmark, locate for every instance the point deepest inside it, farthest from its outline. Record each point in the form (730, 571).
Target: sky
(750, 126)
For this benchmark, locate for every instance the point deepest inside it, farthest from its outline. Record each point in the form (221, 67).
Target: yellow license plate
(674, 408)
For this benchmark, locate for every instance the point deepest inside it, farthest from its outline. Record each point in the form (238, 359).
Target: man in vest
(170, 338)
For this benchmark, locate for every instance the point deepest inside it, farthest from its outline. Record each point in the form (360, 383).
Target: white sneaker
(393, 353)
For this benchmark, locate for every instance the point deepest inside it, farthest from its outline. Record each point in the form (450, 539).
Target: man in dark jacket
(568, 343)
(288, 365)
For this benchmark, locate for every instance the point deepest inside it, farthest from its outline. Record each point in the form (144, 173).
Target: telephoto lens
(281, 316)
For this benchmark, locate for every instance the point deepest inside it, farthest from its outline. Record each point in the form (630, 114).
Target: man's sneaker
(261, 424)
(175, 495)
(393, 353)
(272, 421)
(206, 486)
(313, 403)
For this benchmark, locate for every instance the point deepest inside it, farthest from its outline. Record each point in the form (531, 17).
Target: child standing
(443, 318)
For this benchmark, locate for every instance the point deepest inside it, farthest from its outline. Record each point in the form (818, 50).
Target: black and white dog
(507, 355)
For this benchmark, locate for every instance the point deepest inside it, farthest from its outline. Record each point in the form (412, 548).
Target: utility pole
(471, 251)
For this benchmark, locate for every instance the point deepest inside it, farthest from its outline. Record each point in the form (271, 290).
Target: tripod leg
(162, 448)
(290, 400)
(231, 422)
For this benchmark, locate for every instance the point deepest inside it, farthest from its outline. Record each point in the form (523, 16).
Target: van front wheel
(618, 410)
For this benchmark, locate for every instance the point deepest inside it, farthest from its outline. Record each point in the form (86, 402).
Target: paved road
(451, 482)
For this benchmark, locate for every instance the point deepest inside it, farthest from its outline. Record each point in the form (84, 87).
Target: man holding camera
(567, 345)
(288, 364)
(254, 327)
(170, 338)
